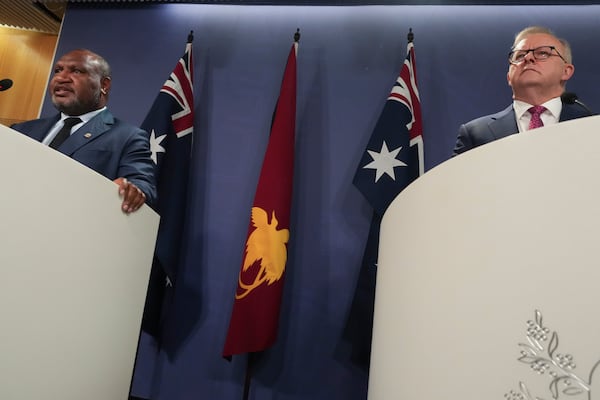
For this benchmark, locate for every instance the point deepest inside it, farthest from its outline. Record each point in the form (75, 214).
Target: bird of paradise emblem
(267, 246)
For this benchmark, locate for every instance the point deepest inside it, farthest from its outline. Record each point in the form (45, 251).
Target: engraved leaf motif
(541, 357)
(538, 317)
(534, 344)
(524, 389)
(572, 391)
(528, 359)
(593, 372)
(554, 388)
(530, 349)
(553, 344)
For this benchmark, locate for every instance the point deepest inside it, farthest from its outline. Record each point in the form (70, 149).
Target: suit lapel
(87, 133)
(504, 123)
(40, 132)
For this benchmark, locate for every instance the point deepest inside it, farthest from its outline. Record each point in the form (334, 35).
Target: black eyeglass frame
(534, 56)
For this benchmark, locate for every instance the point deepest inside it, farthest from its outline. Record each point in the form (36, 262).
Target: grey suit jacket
(495, 126)
(107, 145)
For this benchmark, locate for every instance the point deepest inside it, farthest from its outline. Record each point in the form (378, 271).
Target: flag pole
(248, 377)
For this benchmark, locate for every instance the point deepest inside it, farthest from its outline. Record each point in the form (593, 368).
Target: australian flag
(393, 159)
(170, 123)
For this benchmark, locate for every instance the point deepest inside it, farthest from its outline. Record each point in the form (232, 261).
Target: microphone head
(571, 98)
(5, 84)
(568, 97)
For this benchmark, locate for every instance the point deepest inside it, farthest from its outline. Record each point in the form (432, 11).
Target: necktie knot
(536, 121)
(64, 132)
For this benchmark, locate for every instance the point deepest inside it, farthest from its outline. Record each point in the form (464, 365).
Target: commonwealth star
(384, 162)
(155, 146)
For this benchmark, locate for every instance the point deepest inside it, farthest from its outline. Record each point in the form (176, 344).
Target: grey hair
(531, 30)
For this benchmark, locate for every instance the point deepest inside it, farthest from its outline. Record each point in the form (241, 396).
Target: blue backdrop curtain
(348, 59)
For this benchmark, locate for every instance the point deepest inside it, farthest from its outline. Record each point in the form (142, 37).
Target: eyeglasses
(541, 53)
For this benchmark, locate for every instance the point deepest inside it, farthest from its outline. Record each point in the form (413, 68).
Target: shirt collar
(84, 117)
(553, 106)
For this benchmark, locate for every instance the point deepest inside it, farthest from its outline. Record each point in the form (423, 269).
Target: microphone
(571, 98)
(5, 84)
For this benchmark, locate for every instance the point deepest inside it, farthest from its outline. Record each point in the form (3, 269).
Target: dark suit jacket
(492, 127)
(107, 145)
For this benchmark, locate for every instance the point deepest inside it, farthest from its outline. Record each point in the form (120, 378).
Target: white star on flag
(384, 161)
(155, 146)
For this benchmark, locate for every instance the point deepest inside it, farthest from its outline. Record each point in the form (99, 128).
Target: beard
(76, 106)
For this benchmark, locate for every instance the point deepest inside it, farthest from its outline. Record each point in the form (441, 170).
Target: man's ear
(568, 72)
(105, 85)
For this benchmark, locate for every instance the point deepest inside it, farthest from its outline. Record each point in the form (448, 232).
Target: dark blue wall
(348, 59)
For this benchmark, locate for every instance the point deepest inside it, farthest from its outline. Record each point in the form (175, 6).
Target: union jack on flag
(394, 154)
(170, 123)
(179, 87)
(392, 160)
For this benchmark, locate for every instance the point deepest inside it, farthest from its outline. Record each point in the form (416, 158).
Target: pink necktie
(536, 121)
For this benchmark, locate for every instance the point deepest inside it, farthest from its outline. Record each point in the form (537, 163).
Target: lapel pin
(87, 135)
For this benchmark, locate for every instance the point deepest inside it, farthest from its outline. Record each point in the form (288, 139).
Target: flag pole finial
(410, 36)
(190, 37)
(297, 35)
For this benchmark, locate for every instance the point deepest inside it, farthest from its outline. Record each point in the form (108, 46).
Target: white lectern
(489, 274)
(74, 276)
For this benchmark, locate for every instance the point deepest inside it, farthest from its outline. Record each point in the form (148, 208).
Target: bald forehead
(77, 55)
(89, 59)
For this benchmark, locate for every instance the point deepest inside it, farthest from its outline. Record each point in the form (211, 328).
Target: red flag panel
(255, 316)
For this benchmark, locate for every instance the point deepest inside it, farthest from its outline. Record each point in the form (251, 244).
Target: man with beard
(79, 89)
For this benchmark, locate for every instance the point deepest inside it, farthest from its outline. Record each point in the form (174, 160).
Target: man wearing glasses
(539, 68)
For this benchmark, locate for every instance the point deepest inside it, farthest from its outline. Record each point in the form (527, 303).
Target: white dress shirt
(550, 116)
(84, 118)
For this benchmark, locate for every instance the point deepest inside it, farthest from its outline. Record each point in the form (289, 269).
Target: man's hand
(133, 197)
